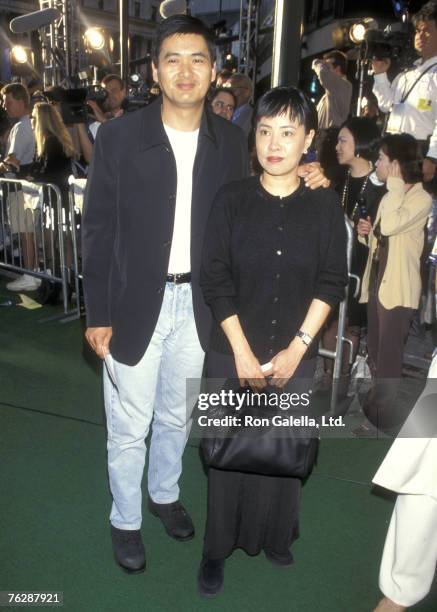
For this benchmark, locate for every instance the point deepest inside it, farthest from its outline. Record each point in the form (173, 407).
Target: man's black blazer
(128, 221)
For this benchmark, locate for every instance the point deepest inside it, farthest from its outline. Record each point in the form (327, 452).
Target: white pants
(410, 552)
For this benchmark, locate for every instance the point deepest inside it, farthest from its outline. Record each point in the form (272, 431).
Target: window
(137, 9)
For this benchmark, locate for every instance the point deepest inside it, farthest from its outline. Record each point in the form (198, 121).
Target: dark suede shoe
(211, 577)
(128, 550)
(175, 519)
(281, 560)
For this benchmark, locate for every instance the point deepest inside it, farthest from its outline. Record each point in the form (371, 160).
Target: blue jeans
(156, 388)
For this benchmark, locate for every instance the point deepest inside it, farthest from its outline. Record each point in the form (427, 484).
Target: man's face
(223, 105)
(116, 95)
(14, 108)
(425, 39)
(184, 72)
(333, 67)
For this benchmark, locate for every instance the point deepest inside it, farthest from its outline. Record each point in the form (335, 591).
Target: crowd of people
(241, 253)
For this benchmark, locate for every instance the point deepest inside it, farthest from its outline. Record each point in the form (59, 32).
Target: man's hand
(313, 175)
(97, 111)
(249, 370)
(364, 227)
(380, 66)
(428, 170)
(98, 338)
(286, 362)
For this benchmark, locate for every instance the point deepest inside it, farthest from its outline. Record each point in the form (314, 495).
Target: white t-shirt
(21, 141)
(184, 146)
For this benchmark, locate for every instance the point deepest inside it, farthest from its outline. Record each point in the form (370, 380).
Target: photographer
(110, 109)
(334, 106)
(411, 98)
(20, 147)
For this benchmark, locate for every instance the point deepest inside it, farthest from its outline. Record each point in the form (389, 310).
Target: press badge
(396, 117)
(424, 105)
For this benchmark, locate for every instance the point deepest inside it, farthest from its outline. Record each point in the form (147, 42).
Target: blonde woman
(54, 154)
(54, 147)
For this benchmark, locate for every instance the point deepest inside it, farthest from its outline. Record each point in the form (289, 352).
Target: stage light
(357, 31)
(19, 55)
(98, 46)
(21, 61)
(95, 39)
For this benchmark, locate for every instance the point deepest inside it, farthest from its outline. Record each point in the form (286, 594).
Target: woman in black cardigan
(274, 264)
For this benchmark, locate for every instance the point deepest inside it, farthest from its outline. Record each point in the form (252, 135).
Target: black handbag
(261, 440)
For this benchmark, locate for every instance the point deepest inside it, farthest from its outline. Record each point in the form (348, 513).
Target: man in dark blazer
(152, 181)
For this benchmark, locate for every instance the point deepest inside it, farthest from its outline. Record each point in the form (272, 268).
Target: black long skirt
(250, 511)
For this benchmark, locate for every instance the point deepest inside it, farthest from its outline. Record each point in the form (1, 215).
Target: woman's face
(345, 147)
(280, 144)
(382, 166)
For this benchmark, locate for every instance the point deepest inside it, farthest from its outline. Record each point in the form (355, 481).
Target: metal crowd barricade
(75, 201)
(337, 355)
(32, 232)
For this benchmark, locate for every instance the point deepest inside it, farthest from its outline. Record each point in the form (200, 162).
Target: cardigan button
(274, 321)
(278, 252)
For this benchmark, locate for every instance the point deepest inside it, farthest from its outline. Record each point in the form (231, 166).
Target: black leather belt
(179, 278)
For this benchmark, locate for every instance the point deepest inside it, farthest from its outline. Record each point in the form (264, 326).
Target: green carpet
(55, 501)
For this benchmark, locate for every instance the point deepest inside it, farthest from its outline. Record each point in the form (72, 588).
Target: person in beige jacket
(391, 282)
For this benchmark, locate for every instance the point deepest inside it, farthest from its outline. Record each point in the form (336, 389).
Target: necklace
(345, 194)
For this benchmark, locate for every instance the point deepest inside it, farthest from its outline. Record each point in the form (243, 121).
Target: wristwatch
(306, 338)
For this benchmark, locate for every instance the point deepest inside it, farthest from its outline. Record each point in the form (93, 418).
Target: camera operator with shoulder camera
(111, 108)
(411, 98)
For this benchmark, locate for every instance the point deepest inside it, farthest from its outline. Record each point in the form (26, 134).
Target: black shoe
(211, 577)
(128, 550)
(175, 519)
(281, 560)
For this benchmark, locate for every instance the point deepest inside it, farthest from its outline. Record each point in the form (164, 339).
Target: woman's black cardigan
(266, 258)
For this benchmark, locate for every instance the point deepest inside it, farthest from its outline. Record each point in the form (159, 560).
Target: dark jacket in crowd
(128, 221)
(266, 258)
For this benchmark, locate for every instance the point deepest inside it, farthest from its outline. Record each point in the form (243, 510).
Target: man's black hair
(406, 150)
(428, 12)
(226, 90)
(367, 136)
(179, 25)
(338, 59)
(289, 101)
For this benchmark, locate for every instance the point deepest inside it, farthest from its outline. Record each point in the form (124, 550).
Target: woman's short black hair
(367, 136)
(406, 150)
(287, 101)
(182, 24)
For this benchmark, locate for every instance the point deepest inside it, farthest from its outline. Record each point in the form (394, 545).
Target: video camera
(139, 95)
(73, 102)
(394, 42)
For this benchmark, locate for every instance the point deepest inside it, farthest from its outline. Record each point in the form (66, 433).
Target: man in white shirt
(411, 98)
(20, 153)
(20, 148)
